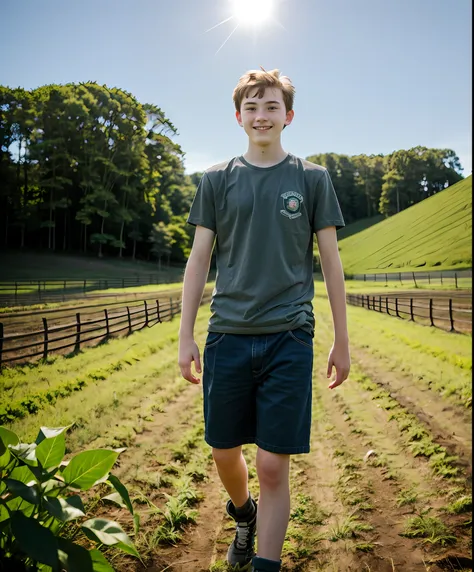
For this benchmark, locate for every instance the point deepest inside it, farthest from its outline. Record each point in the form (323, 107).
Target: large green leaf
(74, 558)
(121, 489)
(49, 433)
(89, 467)
(29, 493)
(26, 452)
(99, 562)
(8, 437)
(23, 474)
(109, 533)
(18, 504)
(50, 451)
(5, 457)
(35, 540)
(64, 509)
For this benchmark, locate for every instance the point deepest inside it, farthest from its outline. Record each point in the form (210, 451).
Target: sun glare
(252, 12)
(248, 13)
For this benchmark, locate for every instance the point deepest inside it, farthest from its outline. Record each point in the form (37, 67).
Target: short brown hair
(261, 79)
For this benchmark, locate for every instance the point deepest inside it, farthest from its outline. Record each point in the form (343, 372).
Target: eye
(273, 107)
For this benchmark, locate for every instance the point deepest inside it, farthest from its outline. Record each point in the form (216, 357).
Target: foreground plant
(41, 514)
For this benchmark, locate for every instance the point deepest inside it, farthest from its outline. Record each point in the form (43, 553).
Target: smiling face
(263, 119)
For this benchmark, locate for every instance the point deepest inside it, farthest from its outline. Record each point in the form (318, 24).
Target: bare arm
(334, 278)
(195, 277)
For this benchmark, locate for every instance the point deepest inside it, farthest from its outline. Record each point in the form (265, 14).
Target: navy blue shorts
(257, 389)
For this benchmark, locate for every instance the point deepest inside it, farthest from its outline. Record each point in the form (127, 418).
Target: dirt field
(407, 400)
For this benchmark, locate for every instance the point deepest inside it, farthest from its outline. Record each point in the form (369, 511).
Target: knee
(272, 469)
(226, 457)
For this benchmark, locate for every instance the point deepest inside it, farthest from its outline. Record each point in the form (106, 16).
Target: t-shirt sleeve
(203, 212)
(327, 211)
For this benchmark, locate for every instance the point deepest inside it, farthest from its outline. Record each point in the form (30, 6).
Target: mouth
(266, 128)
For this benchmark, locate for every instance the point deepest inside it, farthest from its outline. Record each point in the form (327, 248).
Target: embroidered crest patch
(291, 204)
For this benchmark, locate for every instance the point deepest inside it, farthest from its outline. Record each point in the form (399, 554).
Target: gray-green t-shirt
(264, 219)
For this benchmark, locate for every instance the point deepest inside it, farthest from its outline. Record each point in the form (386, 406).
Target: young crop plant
(429, 528)
(41, 512)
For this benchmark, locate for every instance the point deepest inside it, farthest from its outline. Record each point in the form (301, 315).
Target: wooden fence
(28, 291)
(79, 331)
(443, 277)
(444, 313)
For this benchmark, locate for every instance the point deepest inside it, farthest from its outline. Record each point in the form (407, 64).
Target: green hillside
(434, 234)
(358, 226)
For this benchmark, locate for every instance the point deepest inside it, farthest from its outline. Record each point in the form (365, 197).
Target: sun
(249, 13)
(252, 12)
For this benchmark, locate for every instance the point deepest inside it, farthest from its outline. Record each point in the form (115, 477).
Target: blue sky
(371, 76)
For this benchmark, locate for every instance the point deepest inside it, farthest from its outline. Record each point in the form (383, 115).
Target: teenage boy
(261, 209)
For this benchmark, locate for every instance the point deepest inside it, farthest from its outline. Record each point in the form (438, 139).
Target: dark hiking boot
(242, 549)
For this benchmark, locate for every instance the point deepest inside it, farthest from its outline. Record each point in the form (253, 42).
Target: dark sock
(246, 510)
(264, 565)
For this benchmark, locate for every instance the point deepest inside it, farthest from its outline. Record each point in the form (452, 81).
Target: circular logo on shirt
(291, 204)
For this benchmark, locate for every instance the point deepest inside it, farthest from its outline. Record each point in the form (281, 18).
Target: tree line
(85, 167)
(368, 185)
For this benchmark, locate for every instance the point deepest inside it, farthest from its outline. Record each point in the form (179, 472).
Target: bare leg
(273, 504)
(233, 473)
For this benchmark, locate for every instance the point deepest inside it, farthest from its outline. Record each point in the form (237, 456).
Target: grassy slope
(358, 226)
(57, 266)
(433, 234)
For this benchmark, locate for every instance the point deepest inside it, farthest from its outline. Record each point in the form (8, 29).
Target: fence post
(373, 303)
(414, 280)
(451, 319)
(441, 277)
(362, 300)
(158, 311)
(431, 312)
(456, 279)
(429, 278)
(107, 322)
(46, 339)
(364, 277)
(400, 276)
(129, 319)
(1, 343)
(386, 305)
(146, 313)
(171, 309)
(78, 332)
(85, 284)
(396, 308)
(412, 317)
(380, 304)
(386, 278)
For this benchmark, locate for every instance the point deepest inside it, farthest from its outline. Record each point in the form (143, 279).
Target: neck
(265, 156)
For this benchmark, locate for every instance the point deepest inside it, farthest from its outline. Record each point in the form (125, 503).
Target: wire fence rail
(72, 334)
(14, 292)
(459, 279)
(445, 313)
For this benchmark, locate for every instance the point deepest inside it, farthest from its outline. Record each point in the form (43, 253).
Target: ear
(238, 116)
(289, 117)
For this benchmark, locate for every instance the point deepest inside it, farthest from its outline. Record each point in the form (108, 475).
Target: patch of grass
(307, 512)
(431, 529)
(407, 497)
(350, 527)
(460, 505)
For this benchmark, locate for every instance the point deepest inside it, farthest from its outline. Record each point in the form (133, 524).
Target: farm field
(406, 506)
(434, 234)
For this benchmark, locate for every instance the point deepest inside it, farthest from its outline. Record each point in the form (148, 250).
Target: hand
(188, 353)
(340, 359)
